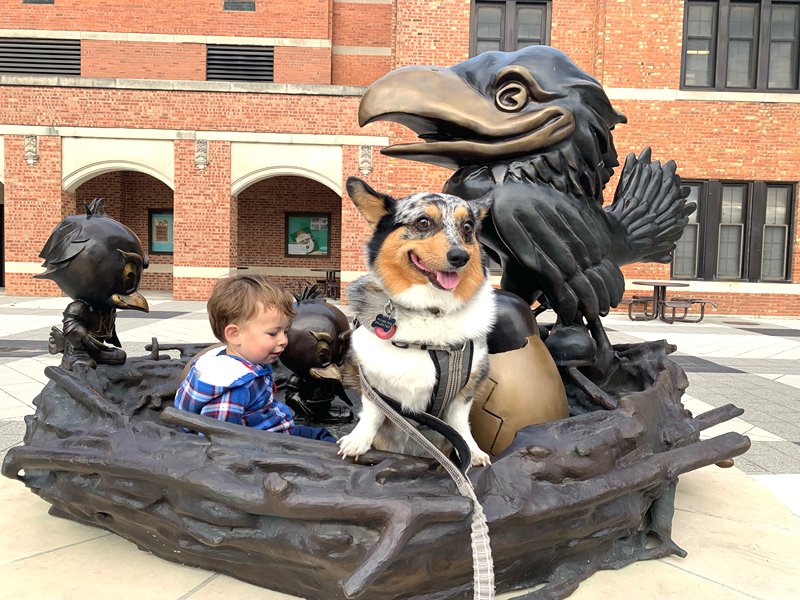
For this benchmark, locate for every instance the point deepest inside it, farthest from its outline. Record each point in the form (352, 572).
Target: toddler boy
(251, 316)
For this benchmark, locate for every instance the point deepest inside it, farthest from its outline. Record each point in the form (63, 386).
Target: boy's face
(260, 339)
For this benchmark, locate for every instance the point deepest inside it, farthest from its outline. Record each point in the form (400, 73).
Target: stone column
(205, 217)
(33, 207)
(364, 162)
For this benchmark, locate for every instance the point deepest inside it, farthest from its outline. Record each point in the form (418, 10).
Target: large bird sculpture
(537, 130)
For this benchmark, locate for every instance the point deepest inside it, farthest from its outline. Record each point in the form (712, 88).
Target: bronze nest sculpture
(565, 498)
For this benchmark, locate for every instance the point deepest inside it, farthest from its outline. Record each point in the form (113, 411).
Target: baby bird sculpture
(97, 262)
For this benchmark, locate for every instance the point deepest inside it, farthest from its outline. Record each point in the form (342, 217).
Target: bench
(643, 302)
(684, 304)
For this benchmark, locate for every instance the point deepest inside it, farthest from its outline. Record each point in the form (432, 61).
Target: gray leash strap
(482, 563)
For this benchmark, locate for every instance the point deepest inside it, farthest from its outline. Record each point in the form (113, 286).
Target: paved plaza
(740, 526)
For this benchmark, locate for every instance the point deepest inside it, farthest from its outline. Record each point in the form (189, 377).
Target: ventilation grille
(239, 63)
(40, 57)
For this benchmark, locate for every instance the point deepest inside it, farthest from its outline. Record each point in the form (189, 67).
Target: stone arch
(253, 162)
(134, 198)
(267, 208)
(289, 170)
(74, 180)
(86, 158)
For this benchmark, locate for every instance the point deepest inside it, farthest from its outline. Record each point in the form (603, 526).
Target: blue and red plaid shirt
(230, 388)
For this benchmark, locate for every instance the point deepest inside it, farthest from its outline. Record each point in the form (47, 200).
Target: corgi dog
(426, 287)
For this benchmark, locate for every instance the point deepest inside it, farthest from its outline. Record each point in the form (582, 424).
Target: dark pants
(314, 433)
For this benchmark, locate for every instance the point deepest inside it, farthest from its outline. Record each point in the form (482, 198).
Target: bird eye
(424, 223)
(468, 227)
(131, 273)
(324, 353)
(511, 96)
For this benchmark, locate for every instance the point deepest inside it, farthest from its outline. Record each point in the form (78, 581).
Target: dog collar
(384, 325)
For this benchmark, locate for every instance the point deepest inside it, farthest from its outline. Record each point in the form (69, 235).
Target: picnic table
(331, 282)
(657, 306)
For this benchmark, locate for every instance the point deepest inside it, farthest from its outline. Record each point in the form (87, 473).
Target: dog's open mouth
(447, 280)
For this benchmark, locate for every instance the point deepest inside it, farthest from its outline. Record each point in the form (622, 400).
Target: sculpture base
(568, 497)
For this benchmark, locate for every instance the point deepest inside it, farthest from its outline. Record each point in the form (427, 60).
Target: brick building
(222, 132)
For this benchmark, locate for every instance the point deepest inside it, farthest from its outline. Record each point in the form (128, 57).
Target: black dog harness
(453, 365)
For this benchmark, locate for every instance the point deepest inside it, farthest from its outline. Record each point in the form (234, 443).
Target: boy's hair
(239, 298)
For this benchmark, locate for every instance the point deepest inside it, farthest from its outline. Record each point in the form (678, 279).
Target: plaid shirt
(229, 388)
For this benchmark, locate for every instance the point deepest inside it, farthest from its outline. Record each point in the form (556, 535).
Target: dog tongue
(447, 280)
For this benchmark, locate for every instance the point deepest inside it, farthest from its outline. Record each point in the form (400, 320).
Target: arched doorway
(144, 204)
(289, 228)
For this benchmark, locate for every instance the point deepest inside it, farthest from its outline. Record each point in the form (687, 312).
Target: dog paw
(353, 445)
(480, 458)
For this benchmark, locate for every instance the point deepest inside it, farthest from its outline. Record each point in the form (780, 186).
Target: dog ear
(373, 205)
(480, 206)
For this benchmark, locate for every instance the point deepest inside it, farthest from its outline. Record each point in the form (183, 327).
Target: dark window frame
(709, 220)
(722, 37)
(239, 6)
(508, 40)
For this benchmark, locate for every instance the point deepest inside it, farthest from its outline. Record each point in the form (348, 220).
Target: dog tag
(384, 326)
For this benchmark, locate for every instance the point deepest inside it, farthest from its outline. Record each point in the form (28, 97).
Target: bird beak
(134, 301)
(329, 372)
(458, 125)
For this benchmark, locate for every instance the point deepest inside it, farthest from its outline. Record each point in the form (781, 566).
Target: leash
(482, 563)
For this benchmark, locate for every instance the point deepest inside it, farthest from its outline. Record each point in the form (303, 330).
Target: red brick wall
(303, 19)
(302, 65)
(643, 43)
(262, 224)
(358, 24)
(734, 141)
(142, 60)
(205, 220)
(358, 69)
(128, 197)
(574, 30)
(357, 231)
(161, 109)
(431, 33)
(33, 208)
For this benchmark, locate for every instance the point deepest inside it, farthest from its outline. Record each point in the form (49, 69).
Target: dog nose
(457, 257)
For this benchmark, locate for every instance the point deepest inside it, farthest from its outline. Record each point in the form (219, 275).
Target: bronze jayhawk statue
(537, 130)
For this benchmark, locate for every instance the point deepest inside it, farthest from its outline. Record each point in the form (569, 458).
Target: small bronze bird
(318, 344)
(97, 262)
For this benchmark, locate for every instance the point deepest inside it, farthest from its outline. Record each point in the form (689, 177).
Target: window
(508, 24)
(740, 231)
(239, 63)
(38, 1)
(241, 6)
(741, 45)
(35, 56)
